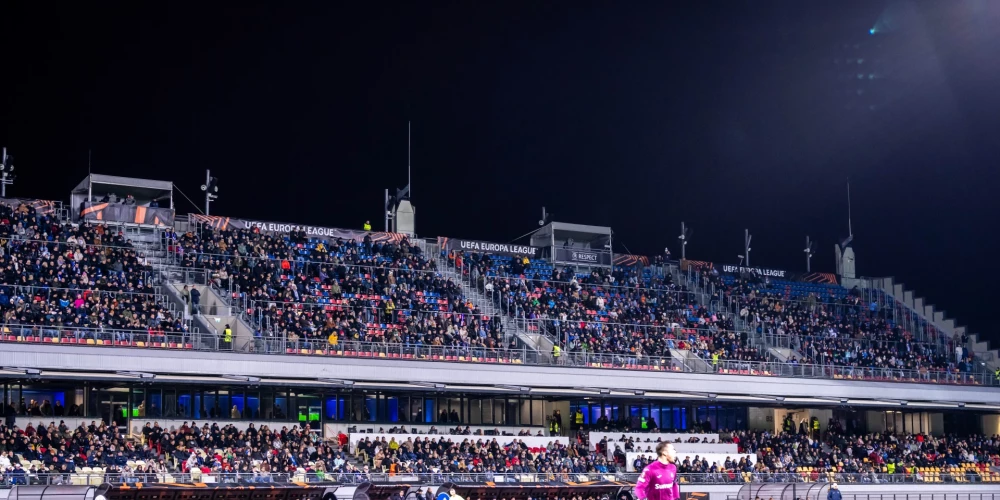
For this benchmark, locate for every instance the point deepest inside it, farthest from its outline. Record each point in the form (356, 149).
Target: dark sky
(638, 115)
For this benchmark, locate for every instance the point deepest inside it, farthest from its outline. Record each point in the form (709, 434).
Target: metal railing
(955, 476)
(111, 337)
(463, 354)
(577, 359)
(352, 349)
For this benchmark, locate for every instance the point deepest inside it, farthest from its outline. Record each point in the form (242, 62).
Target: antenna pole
(3, 182)
(408, 166)
(850, 230)
(809, 255)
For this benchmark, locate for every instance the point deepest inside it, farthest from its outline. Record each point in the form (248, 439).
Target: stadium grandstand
(143, 346)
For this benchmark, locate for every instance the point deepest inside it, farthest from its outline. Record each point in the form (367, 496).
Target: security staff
(227, 337)
(368, 225)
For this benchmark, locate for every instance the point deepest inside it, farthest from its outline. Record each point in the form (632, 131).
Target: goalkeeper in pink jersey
(658, 480)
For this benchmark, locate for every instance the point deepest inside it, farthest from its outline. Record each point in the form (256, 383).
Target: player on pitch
(658, 480)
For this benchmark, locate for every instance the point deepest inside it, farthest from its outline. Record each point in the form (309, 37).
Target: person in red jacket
(658, 480)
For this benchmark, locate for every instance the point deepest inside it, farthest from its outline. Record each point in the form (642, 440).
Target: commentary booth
(575, 244)
(107, 198)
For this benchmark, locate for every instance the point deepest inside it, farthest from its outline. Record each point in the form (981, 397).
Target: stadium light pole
(809, 254)
(746, 245)
(211, 189)
(7, 168)
(684, 237)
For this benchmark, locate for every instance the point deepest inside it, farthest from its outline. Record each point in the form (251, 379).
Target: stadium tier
(303, 294)
(50, 453)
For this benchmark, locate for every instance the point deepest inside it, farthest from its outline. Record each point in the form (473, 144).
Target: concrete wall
(937, 424)
(991, 424)
(105, 359)
(762, 419)
(875, 421)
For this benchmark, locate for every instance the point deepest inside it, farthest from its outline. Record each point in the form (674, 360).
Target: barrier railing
(466, 354)
(953, 476)
(111, 337)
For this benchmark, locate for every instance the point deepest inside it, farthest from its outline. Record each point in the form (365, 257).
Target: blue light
(871, 31)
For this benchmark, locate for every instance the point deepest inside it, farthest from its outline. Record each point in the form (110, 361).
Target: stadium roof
(130, 182)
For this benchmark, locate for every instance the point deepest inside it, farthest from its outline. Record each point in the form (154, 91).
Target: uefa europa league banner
(449, 244)
(228, 224)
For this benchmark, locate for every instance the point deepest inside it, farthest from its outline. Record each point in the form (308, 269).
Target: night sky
(638, 115)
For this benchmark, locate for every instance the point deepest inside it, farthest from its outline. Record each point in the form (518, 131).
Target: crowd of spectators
(263, 454)
(74, 282)
(624, 310)
(834, 328)
(841, 452)
(252, 454)
(494, 455)
(776, 455)
(317, 292)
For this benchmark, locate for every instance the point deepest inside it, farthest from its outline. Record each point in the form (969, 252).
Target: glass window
(404, 409)
(429, 414)
(487, 409)
(331, 406)
(93, 403)
(44, 399)
(280, 410)
(308, 408)
(225, 407)
(114, 405)
(475, 411)
(371, 408)
(416, 412)
(155, 399)
(392, 407)
(185, 404)
(455, 415)
(138, 403)
(537, 412)
(512, 413)
(252, 402)
(499, 407)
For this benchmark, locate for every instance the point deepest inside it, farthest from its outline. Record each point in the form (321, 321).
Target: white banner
(530, 441)
(717, 458)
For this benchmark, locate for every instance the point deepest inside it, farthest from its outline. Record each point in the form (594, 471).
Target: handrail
(32, 289)
(26, 477)
(109, 337)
